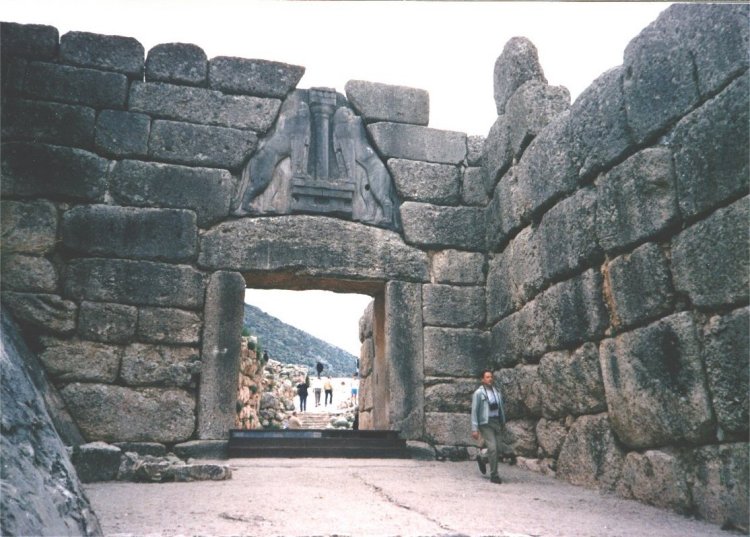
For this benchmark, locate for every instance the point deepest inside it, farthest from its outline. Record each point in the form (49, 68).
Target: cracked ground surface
(374, 498)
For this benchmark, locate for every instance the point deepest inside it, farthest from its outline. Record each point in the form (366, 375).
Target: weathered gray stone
(178, 63)
(426, 182)
(454, 395)
(598, 124)
(159, 365)
(200, 145)
(521, 437)
(710, 147)
(204, 106)
(142, 448)
(168, 325)
(725, 352)
(525, 255)
(655, 384)
(504, 341)
(566, 236)
(711, 259)
(502, 213)
(102, 321)
(54, 123)
(85, 361)
(638, 286)
(384, 102)
(720, 486)
(26, 273)
(521, 391)
(420, 451)
(107, 52)
(32, 41)
(571, 383)
(13, 71)
(398, 140)
(550, 436)
(590, 455)
(659, 81)
(198, 472)
(474, 150)
(41, 491)
(497, 153)
(473, 191)
(636, 200)
(116, 413)
(500, 290)
(156, 234)
(436, 226)
(447, 305)
(202, 449)
(454, 266)
(530, 109)
(404, 355)
(76, 85)
(448, 428)
(135, 282)
(96, 461)
(516, 65)
(254, 77)
(314, 246)
(28, 227)
(454, 351)
(220, 355)
(53, 172)
(122, 134)
(206, 191)
(366, 322)
(658, 478)
(44, 311)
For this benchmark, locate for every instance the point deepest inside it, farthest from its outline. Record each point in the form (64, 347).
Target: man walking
(488, 419)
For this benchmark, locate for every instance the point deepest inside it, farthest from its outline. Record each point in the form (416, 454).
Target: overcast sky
(447, 48)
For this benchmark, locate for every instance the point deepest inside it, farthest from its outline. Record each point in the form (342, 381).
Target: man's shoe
(496, 479)
(482, 465)
(513, 460)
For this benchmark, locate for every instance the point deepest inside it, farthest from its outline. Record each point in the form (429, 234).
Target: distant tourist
(328, 387)
(317, 386)
(488, 424)
(302, 392)
(294, 421)
(355, 388)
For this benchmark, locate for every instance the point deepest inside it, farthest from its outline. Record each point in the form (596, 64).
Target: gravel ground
(377, 497)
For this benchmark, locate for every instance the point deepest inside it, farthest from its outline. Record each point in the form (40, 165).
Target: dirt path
(377, 497)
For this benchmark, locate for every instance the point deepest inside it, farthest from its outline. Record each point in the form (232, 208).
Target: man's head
(486, 377)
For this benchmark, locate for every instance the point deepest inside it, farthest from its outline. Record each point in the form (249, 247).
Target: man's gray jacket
(480, 407)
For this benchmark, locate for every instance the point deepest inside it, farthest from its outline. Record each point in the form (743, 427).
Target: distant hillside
(291, 345)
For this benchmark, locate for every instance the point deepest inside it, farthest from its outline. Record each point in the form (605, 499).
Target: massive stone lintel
(317, 160)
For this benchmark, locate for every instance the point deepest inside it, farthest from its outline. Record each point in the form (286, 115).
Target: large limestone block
(571, 383)
(725, 354)
(134, 282)
(456, 267)
(122, 134)
(501, 290)
(454, 351)
(426, 181)
(502, 214)
(655, 384)
(156, 234)
(658, 478)
(636, 199)
(168, 325)
(120, 414)
(497, 153)
(28, 273)
(107, 322)
(53, 172)
(590, 455)
(83, 361)
(711, 259)
(435, 226)
(399, 140)
(516, 65)
(206, 191)
(447, 305)
(638, 286)
(530, 109)
(52, 123)
(204, 106)
(31, 41)
(520, 435)
(710, 147)
(253, 77)
(178, 63)
(521, 390)
(473, 191)
(28, 227)
(159, 365)
(447, 428)
(505, 339)
(45, 312)
(105, 52)
(550, 436)
(384, 102)
(720, 486)
(76, 85)
(313, 246)
(475, 148)
(220, 355)
(200, 145)
(449, 396)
